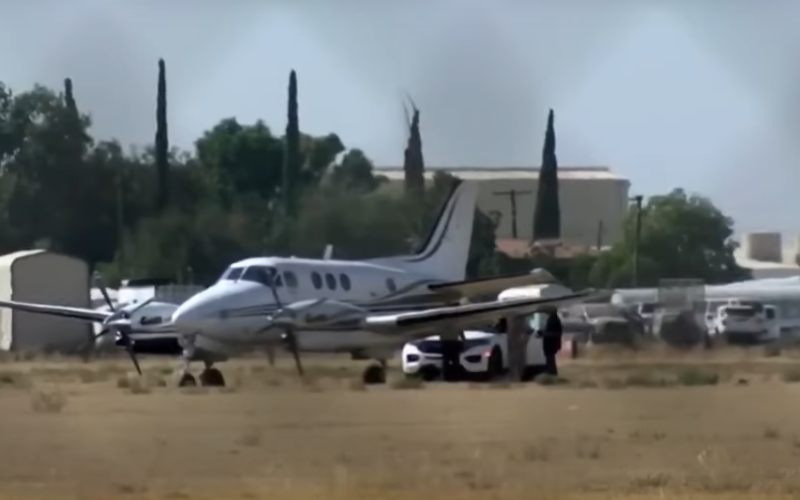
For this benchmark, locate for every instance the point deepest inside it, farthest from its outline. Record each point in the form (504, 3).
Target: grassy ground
(644, 426)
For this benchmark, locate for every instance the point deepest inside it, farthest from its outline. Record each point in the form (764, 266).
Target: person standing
(551, 340)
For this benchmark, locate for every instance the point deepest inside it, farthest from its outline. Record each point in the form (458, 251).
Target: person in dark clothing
(551, 340)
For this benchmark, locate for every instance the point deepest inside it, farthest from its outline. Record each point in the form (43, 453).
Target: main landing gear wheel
(211, 377)
(374, 374)
(187, 380)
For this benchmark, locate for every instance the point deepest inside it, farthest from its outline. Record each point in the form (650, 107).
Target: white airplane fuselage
(231, 315)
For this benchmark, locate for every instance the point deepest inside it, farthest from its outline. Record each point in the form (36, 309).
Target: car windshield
(739, 312)
(647, 308)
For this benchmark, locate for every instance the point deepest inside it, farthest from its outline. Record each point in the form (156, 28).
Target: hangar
(44, 277)
(594, 200)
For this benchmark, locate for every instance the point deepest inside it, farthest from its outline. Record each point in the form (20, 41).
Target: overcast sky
(704, 95)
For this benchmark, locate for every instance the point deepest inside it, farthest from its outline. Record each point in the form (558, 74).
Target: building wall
(588, 196)
(47, 278)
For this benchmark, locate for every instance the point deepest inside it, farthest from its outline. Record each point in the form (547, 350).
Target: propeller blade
(104, 331)
(274, 291)
(100, 284)
(122, 329)
(292, 341)
(132, 354)
(129, 311)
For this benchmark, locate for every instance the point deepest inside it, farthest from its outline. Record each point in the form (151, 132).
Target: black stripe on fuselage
(265, 309)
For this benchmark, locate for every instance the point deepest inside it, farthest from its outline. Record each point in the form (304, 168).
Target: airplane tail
(446, 249)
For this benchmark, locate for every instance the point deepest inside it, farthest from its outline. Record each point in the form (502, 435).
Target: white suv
(484, 356)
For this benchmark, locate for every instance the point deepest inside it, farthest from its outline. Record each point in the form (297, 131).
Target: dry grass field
(644, 426)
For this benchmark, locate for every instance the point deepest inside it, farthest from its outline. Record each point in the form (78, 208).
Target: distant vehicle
(484, 356)
(646, 311)
(745, 323)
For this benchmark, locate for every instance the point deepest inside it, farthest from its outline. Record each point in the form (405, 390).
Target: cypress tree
(162, 140)
(414, 161)
(291, 154)
(547, 214)
(69, 98)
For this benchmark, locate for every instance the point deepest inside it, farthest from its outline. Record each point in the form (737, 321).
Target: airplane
(361, 307)
(353, 296)
(142, 318)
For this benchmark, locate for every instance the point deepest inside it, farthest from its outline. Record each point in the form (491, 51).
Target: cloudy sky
(704, 95)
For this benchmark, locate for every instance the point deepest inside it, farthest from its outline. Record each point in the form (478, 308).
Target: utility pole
(599, 241)
(512, 195)
(636, 238)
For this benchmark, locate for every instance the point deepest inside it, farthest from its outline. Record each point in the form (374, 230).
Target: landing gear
(187, 380)
(375, 373)
(211, 377)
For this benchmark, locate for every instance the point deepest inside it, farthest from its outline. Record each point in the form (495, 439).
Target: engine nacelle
(310, 314)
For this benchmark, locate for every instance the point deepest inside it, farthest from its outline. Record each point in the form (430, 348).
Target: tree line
(245, 190)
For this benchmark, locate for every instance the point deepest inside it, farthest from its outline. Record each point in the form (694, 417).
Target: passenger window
(390, 284)
(330, 281)
(770, 313)
(290, 279)
(316, 280)
(345, 281)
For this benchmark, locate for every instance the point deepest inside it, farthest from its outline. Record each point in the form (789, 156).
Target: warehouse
(48, 278)
(594, 200)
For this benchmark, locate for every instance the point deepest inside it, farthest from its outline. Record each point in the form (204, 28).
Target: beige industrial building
(44, 277)
(766, 256)
(594, 200)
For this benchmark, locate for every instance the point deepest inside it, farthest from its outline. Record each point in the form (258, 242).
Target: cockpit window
(232, 273)
(263, 275)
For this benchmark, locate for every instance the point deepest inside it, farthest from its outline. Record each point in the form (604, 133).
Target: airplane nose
(190, 315)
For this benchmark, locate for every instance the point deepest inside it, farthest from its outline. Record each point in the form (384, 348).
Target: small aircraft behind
(368, 308)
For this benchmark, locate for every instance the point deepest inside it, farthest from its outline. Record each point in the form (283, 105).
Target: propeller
(119, 321)
(279, 318)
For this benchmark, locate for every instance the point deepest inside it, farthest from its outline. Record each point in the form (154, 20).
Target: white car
(484, 356)
(739, 323)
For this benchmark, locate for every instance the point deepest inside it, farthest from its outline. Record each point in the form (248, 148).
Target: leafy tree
(355, 173)
(547, 214)
(682, 236)
(162, 140)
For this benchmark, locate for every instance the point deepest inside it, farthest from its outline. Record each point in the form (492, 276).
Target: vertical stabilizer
(445, 251)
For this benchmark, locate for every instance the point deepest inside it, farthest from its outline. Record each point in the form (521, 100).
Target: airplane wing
(53, 310)
(423, 322)
(493, 285)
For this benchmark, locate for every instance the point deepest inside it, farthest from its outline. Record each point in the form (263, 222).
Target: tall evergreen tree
(69, 98)
(414, 161)
(547, 214)
(291, 154)
(162, 140)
